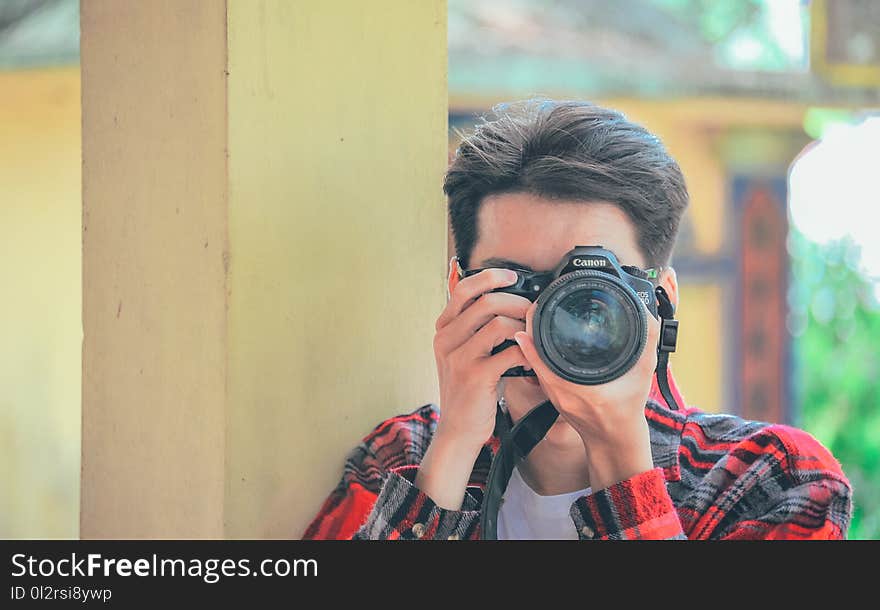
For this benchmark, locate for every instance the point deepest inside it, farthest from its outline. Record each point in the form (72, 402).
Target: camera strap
(519, 439)
(516, 443)
(666, 345)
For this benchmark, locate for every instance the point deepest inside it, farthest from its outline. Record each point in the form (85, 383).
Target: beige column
(263, 252)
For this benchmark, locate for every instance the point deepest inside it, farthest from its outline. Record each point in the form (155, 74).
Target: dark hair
(567, 150)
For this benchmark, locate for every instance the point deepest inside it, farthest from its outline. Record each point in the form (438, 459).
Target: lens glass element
(590, 328)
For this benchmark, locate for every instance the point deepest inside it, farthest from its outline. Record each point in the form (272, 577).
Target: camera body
(589, 325)
(530, 284)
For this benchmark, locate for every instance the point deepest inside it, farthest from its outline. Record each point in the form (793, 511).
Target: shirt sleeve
(376, 497)
(779, 483)
(804, 495)
(636, 508)
(403, 512)
(346, 507)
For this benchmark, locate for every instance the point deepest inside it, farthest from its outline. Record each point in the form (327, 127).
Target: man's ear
(669, 281)
(454, 276)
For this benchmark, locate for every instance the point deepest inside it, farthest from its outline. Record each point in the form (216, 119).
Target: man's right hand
(474, 321)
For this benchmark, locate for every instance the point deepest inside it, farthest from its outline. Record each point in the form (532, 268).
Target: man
(619, 462)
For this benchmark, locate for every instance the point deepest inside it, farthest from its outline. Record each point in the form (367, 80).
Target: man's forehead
(529, 232)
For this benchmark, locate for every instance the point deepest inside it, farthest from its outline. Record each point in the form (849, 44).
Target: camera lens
(590, 327)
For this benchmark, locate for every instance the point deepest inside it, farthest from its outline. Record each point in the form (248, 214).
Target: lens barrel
(589, 327)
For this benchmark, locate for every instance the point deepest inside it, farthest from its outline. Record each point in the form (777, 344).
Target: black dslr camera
(589, 325)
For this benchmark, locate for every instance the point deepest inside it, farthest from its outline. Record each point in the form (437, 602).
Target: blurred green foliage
(835, 321)
(759, 26)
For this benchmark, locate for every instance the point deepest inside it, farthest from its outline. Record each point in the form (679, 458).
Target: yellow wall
(699, 364)
(40, 329)
(337, 139)
(263, 252)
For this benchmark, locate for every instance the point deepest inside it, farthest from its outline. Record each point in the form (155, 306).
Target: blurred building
(40, 243)
(729, 87)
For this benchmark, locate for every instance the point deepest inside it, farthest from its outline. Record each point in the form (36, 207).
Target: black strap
(666, 345)
(519, 440)
(663, 381)
(516, 443)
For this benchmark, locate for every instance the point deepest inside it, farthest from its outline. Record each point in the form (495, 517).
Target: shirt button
(418, 530)
(587, 531)
(454, 537)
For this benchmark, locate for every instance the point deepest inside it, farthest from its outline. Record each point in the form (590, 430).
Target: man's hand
(610, 418)
(474, 321)
(472, 324)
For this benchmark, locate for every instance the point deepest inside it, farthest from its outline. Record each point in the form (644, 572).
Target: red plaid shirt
(716, 477)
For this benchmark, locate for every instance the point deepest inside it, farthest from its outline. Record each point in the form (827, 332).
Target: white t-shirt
(526, 515)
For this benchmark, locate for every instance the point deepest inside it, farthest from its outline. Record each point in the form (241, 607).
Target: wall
(337, 139)
(263, 253)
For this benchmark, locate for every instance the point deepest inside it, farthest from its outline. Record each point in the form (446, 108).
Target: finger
(508, 358)
(530, 314)
(530, 331)
(492, 334)
(470, 288)
(453, 277)
(548, 380)
(472, 319)
(527, 345)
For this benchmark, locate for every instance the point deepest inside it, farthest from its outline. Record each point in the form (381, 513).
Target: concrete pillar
(263, 252)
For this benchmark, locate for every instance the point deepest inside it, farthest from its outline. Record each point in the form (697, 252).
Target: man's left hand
(610, 418)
